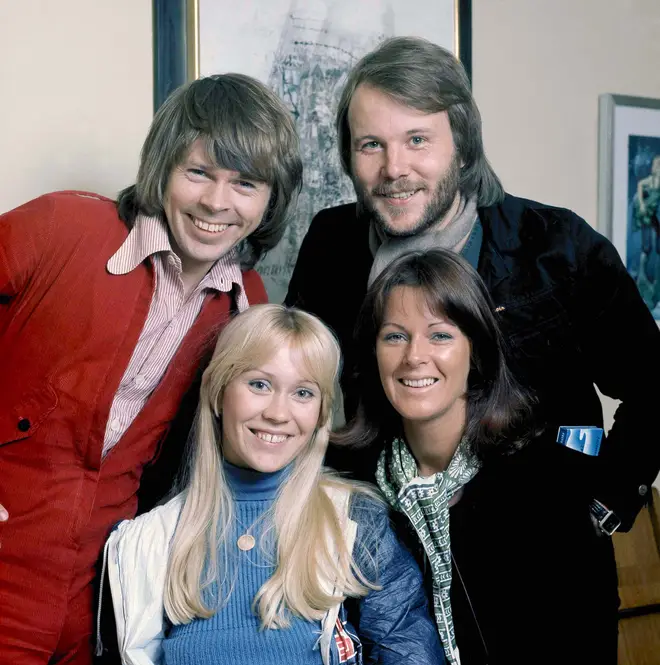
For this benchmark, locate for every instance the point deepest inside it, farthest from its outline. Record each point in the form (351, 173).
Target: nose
(416, 352)
(396, 163)
(215, 196)
(277, 409)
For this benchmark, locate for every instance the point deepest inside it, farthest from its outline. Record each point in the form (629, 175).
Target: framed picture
(302, 49)
(629, 187)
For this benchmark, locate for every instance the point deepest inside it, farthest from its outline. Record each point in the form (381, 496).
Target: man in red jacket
(106, 310)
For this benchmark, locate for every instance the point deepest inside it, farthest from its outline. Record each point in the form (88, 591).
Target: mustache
(398, 187)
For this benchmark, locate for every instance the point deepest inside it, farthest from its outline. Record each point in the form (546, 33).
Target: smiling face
(209, 210)
(423, 361)
(269, 413)
(404, 164)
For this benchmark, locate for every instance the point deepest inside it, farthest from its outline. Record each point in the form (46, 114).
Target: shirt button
(23, 425)
(643, 490)
(115, 425)
(139, 380)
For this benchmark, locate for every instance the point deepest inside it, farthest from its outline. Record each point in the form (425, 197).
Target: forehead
(287, 363)
(198, 152)
(372, 111)
(409, 303)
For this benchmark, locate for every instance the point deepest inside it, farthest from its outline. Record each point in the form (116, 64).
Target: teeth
(401, 195)
(418, 383)
(271, 438)
(213, 228)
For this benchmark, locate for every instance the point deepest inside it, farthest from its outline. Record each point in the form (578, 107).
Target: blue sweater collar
(251, 485)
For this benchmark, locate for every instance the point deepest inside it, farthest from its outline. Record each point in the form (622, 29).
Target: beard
(435, 210)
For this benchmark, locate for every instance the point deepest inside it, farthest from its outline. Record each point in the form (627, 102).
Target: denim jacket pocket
(535, 315)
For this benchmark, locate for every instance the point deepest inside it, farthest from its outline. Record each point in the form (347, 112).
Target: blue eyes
(261, 386)
(415, 141)
(441, 336)
(402, 337)
(202, 173)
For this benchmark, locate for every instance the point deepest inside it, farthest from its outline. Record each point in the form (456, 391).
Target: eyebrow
(420, 130)
(434, 323)
(268, 375)
(210, 166)
(196, 163)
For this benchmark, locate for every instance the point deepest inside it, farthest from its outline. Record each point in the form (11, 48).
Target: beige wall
(76, 91)
(538, 68)
(76, 95)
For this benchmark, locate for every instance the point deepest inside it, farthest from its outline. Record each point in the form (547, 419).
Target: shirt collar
(472, 248)
(149, 237)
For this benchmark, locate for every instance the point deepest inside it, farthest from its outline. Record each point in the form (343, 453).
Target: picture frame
(629, 187)
(303, 50)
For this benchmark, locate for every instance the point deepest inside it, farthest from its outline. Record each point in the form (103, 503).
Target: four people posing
(107, 311)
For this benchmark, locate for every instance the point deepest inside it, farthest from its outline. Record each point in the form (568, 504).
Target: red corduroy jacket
(67, 332)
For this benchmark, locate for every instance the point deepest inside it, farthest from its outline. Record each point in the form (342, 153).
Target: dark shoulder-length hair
(498, 409)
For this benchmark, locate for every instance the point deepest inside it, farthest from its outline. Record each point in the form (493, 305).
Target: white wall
(538, 68)
(76, 95)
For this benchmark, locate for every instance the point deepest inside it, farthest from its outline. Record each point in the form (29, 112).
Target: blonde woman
(253, 561)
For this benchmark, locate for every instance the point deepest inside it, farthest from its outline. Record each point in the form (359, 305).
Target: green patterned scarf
(425, 501)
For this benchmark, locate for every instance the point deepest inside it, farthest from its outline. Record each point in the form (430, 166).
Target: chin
(270, 466)
(401, 226)
(414, 416)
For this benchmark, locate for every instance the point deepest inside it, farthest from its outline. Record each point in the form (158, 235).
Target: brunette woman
(515, 570)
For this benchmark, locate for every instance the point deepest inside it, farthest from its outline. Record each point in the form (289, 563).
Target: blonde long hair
(311, 552)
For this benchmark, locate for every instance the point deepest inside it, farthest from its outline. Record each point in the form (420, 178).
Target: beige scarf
(452, 236)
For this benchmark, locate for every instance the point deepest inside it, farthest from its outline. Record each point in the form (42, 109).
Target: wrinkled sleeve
(25, 234)
(621, 345)
(394, 624)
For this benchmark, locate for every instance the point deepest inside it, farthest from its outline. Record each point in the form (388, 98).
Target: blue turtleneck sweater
(234, 634)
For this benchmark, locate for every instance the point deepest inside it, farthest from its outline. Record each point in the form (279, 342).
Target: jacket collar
(149, 236)
(507, 226)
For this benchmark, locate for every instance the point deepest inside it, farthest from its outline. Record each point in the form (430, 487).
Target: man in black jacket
(410, 138)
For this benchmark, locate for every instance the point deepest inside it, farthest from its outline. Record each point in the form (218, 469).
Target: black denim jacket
(571, 315)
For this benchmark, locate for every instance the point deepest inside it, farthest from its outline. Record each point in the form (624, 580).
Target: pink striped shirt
(170, 316)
